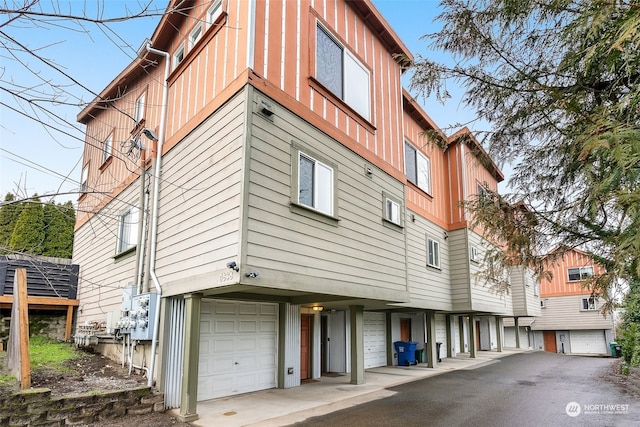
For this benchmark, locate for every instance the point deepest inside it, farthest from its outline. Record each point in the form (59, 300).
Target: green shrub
(630, 342)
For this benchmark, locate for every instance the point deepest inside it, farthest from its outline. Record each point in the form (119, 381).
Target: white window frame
(178, 56)
(195, 35)
(474, 254)
(127, 230)
(320, 201)
(543, 304)
(536, 289)
(433, 253)
(584, 273)
(356, 78)
(214, 11)
(421, 176)
(84, 178)
(588, 304)
(392, 211)
(139, 108)
(107, 148)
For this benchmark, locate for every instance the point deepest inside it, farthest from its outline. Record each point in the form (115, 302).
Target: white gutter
(154, 215)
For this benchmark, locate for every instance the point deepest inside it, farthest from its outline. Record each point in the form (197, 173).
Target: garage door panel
(588, 342)
(374, 334)
(240, 354)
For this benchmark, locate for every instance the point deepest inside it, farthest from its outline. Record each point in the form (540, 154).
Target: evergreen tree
(59, 221)
(29, 233)
(9, 213)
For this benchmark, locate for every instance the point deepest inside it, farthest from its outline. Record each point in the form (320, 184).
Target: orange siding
(560, 285)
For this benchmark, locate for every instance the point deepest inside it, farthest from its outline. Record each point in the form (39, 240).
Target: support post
(499, 332)
(473, 333)
(515, 321)
(189, 399)
(450, 339)
(68, 326)
(461, 333)
(432, 355)
(356, 313)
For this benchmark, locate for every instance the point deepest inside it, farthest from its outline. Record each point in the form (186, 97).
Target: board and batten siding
(560, 285)
(358, 255)
(429, 287)
(200, 198)
(102, 276)
(565, 313)
(284, 54)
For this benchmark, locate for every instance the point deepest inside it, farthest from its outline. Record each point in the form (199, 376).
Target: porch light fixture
(317, 308)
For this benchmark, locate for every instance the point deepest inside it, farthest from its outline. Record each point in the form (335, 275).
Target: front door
(550, 341)
(405, 330)
(305, 335)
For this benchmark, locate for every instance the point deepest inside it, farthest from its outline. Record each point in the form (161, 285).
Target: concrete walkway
(277, 407)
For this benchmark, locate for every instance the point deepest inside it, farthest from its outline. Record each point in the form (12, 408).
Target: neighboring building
(571, 320)
(292, 218)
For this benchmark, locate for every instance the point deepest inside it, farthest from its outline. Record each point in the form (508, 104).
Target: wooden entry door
(305, 353)
(405, 330)
(550, 341)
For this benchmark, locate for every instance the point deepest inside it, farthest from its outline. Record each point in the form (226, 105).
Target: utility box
(142, 315)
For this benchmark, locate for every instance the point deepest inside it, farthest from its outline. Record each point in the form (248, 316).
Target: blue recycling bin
(406, 351)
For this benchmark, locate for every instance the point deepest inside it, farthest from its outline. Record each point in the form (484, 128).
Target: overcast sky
(48, 162)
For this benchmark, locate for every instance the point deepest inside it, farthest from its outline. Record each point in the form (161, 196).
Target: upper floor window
(433, 253)
(536, 289)
(392, 211)
(195, 35)
(106, 149)
(128, 230)
(315, 184)
(139, 108)
(84, 179)
(417, 168)
(339, 71)
(178, 56)
(580, 273)
(589, 303)
(474, 254)
(214, 11)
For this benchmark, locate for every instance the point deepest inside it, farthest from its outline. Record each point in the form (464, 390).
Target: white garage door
(510, 336)
(588, 342)
(238, 348)
(441, 334)
(375, 344)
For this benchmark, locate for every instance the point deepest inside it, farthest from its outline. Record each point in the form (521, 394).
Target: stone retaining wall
(36, 407)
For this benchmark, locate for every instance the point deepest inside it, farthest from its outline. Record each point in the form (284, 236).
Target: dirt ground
(97, 373)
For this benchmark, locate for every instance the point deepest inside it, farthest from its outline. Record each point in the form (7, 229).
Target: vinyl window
(589, 303)
(84, 179)
(214, 11)
(195, 35)
(392, 211)
(417, 168)
(474, 254)
(315, 184)
(342, 73)
(178, 56)
(433, 253)
(107, 147)
(139, 108)
(128, 230)
(579, 273)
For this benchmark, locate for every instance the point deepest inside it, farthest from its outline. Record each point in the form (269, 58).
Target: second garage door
(588, 342)
(375, 343)
(238, 348)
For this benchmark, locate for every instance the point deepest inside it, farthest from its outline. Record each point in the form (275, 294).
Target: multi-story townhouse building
(261, 205)
(571, 319)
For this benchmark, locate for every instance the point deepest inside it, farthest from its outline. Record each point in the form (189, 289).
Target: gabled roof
(465, 136)
(411, 106)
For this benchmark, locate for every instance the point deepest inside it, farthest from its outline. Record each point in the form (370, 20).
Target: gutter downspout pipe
(154, 217)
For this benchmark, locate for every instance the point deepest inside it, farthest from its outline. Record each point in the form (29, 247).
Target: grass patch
(47, 353)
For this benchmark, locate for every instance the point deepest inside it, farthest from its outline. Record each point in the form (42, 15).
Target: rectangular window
(433, 253)
(417, 168)
(340, 71)
(178, 56)
(579, 273)
(84, 178)
(128, 230)
(588, 303)
(195, 35)
(315, 184)
(214, 11)
(392, 211)
(106, 149)
(536, 289)
(474, 254)
(139, 109)
(542, 304)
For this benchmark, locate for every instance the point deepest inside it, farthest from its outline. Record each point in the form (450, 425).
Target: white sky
(48, 162)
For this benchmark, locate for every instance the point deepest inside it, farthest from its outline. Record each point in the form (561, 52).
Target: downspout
(154, 215)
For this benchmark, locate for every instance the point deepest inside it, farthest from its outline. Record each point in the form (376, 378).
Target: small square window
(392, 211)
(128, 230)
(84, 179)
(543, 304)
(178, 56)
(195, 35)
(214, 11)
(589, 303)
(315, 184)
(106, 149)
(433, 253)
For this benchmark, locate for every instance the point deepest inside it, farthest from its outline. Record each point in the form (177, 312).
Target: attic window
(178, 56)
